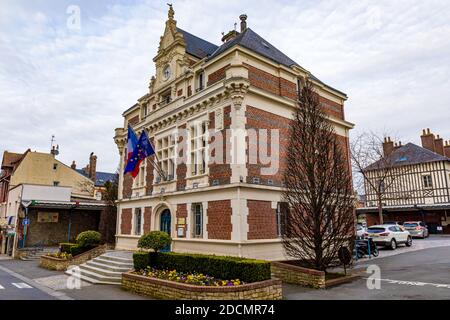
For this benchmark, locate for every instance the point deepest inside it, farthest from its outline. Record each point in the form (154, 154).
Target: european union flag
(143, 150)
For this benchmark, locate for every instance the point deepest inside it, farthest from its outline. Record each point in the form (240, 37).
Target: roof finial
(171, 13)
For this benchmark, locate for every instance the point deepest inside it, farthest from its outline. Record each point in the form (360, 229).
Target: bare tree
(375, 170)
(318, 189)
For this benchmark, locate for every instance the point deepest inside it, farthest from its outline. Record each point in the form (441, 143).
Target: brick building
(420, 187)
(206, 102)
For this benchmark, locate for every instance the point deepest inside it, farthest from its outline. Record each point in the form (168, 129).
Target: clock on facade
(167, 72)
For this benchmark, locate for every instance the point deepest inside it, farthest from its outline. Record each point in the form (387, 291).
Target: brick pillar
(439, 145)
(447, 149)
(147, 219)
(388, 146)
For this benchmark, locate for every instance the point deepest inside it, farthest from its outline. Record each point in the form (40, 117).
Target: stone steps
(105, 269)
(34, 255)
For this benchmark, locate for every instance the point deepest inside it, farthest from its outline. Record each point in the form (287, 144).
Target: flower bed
(195, 278)
(173, 290)
(61, 261)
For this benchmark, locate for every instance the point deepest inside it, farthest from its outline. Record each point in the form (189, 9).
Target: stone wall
(53, 263)
(297, 275)
(53, 233)
(169, 290)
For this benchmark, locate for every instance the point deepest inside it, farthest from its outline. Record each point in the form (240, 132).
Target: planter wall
(297, 275)
(52, 263)
(170, 290)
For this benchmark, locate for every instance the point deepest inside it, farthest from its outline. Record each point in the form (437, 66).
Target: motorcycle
(366, 247)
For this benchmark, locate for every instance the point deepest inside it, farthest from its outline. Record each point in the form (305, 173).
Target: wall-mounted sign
(181, 231)
(45, 217)
(181, 221)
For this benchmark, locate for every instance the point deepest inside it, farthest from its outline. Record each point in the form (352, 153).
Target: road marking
(415, 283)
(22, 285)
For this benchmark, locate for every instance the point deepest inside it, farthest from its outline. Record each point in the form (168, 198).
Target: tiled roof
(407, 155)
(9, 158)
(196, 46)
(101, 177)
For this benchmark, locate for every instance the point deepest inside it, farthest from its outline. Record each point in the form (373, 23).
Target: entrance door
(165, 225)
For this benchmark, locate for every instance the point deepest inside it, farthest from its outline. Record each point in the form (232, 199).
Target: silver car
(417, 229)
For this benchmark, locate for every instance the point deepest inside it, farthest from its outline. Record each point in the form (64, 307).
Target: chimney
(55, 151)
(439, 145)
(388, 146)
(428, 140)
(92, 166)
(243, 18)
(398, 145)
(447, 149)
(73, 165)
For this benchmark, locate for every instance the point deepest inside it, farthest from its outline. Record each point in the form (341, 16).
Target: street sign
(26, 222)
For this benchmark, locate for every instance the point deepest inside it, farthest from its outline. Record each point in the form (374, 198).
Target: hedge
(141, 260)
(66, 247)
(88, 238)
(227, 268)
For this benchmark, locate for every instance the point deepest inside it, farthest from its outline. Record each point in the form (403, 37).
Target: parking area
(418, 272)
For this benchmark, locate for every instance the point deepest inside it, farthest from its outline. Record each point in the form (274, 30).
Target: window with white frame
(427, 181)
(198, 139)
(137, 221)
(197, 220)
(200, 81)
(139, 181)
(166, 157)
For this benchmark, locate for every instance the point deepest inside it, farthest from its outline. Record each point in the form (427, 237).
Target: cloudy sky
(74, 77)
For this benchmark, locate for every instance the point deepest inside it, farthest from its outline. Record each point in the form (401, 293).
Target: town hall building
(233, 104)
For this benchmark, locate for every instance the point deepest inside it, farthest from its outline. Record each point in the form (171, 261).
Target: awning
(418, 207)
(74, 205)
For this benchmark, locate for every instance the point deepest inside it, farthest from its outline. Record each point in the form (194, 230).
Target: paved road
(423, 274)
(15, 287)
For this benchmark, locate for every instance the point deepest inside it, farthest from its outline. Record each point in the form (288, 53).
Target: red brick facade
(220, 172)
(259, 119)
(125, 221)
(219, 220)
(182, 210)
(276, 85)
(147, 219)
(217, 75)
(332, 108)
(261, 220)
(127, 185)
(149, 177)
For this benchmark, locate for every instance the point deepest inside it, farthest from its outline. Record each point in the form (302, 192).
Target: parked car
(360, 231)
(395, 223)
(389, 236)
(417, 229)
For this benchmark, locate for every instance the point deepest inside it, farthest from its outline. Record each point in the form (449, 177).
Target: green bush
(140, 260)
(88, 238)
(155, 240)
(66, 247)
(247, 270)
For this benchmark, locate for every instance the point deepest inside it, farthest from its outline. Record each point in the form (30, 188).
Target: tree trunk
(380, 211)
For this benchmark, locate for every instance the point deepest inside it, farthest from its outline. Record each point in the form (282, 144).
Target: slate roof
(101, 177)
(196, 46)
(254, 42)
(407, 155)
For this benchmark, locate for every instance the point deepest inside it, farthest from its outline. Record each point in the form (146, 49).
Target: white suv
(389, 236)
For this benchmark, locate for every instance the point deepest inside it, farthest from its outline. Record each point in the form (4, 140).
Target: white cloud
(391, 58)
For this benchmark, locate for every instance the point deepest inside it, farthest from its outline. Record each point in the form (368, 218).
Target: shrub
(247, 270)
(66, 247)
(140, 260)
(155, 240)
(88, 238)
